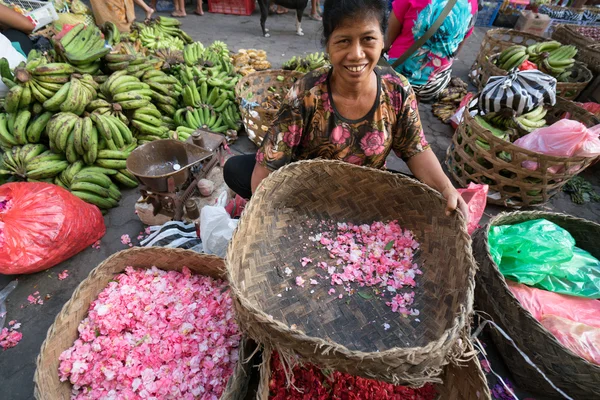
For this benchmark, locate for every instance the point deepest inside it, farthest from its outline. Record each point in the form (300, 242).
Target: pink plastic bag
(581, 339)
(475, 195)
(541, 303)
(564, 138)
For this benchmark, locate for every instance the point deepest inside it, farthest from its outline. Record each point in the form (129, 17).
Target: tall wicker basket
(496, 40)
(63, 331)
(347, 334)
(574, 375)
(515, 185)
(252, 90)
(580, 77)
(465, 382)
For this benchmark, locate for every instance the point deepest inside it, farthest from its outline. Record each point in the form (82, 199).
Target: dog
(298, 5)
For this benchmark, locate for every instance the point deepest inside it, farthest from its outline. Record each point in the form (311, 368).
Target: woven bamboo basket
(515, 185)
(590, 55)
(579, 79)
(577, 377)
(63, 331)
(567, 35)
(348, 335)
(496, 40)
(255, 88)
(465, 382)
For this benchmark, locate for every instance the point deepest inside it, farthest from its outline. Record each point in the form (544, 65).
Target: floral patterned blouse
(308, 125)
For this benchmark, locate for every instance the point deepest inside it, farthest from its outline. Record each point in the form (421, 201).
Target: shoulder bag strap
(430, 32)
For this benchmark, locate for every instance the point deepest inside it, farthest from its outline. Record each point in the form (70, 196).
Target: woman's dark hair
(336, 11)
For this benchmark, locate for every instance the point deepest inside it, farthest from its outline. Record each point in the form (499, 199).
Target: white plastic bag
(12, 55)
(3, 295)
(216, 227)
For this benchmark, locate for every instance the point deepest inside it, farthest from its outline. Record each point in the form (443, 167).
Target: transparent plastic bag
(541, 254)
(475, 195)
(581, 339)
(216, 227)
(3, 295)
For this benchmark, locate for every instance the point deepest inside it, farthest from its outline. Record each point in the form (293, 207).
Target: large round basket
(496, 40)
(501, 167)
(574, 375)
(579, 79)
(63, 331)
(465, 382)
(253, 90)
(590, 55)
(568, 35)
(348, 334)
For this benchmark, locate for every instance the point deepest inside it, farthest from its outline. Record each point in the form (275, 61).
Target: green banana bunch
(93, 185)
(169, 57)
(157, 37)
(165, 90)
(309, 63)
(16, 159)
(512, 57)
(111, 33)
(113, 135)
(531, 121)
(220, 48)
(124, 92)
(74, 96)
(170, 26)
(83, 47)
(149, 124)
(538, 51)
(560, 62)
(22, 128)
(192, 53)
(117, 61)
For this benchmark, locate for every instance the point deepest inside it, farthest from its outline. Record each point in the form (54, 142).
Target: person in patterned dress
(354, 111)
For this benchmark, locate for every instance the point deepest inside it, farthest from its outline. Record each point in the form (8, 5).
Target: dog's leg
(299, 31)
(264, 12)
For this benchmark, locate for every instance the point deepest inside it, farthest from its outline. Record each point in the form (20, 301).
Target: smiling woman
(354, 111)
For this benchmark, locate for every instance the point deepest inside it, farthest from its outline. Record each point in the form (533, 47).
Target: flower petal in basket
(574, 375)
(348, 334)
(63, 331)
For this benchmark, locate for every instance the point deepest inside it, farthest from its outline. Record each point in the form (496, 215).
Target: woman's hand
(455, 201)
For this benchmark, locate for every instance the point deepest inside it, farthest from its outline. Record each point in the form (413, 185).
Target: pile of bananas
(33, 162)
(215, 112)
(531, 121)
(512, 57)
(82, 47)
(306, 64)
(149, 124)
(550, 57)
(163, 32)
(94, 185)
(449, 99)
(22, 127)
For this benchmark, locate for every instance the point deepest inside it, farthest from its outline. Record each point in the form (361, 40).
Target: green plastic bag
(541, 254)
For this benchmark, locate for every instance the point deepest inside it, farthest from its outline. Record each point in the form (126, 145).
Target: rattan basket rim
(461, 320)
(39, 392)
(528, 216)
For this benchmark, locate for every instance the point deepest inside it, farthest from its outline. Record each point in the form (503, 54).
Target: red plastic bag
(475, 195)
(43, 224)
(542, 302)
(527, 65)
(581, 339)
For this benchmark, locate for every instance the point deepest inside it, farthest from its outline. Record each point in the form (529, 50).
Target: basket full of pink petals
(145, 323)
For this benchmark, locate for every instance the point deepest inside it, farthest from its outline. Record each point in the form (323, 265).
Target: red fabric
(43, 224)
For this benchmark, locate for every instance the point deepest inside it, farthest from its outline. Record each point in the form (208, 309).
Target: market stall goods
(571, 373)
(306, 64)
(98, 336)
(283, 292)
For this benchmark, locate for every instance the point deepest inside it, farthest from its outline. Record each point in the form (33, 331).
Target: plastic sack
(12, 55)
(592, 107)
(216, 227)
(475, 195)
(521, 91)
(43, 224)
(581, 339)
(541, 254)
(3, 295)
(456, 119)
(542, 302)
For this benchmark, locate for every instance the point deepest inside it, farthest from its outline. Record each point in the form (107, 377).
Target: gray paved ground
(17, 365)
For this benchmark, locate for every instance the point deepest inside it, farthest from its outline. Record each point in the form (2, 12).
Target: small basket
(577, 377)
(63, 331)
(580, 77)
(235, 7)
(496, 40)
(41, 11)
(253, 89)
(466, 382)
(348, 335)
(515, 185)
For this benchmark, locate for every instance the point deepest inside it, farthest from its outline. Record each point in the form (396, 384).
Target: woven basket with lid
(574, 375)
(496, 40)
(63, 331)
(515, 185)
(255, 88)
(348, 334)
(581, 76)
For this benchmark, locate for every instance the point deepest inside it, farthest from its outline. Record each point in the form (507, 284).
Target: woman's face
(354, 49)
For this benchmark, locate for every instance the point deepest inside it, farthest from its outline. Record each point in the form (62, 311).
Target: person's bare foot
(199, 11)
(178, 14)
(149, 14)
